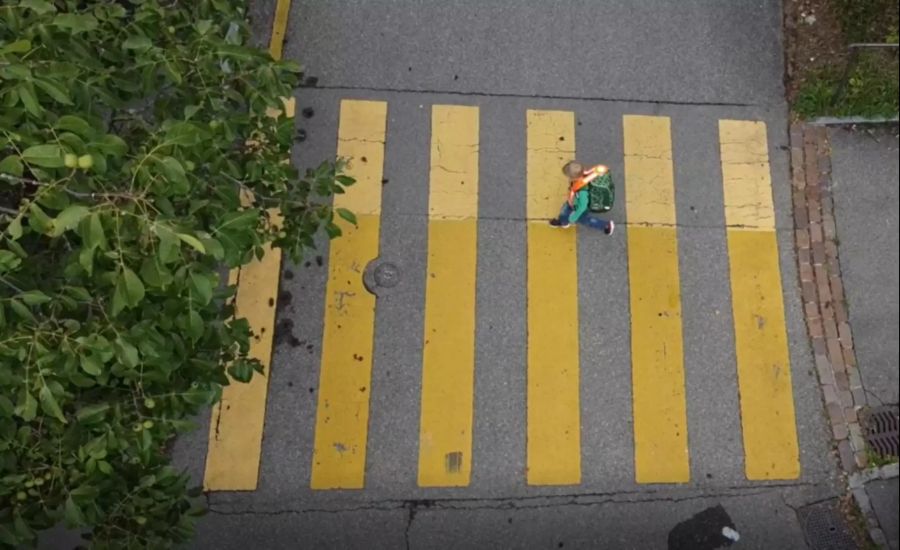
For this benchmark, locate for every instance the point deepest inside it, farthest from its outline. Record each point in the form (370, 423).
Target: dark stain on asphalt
(703, 531)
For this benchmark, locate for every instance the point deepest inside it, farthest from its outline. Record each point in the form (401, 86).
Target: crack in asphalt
(517, 503)
(530, 96)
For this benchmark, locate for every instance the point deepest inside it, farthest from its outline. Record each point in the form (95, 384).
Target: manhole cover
(824, 527)
(883, 430)
(387, 275)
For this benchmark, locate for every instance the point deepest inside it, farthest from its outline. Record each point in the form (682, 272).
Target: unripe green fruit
(85, 161)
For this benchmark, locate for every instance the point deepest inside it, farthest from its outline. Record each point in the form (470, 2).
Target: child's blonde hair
(573, 170)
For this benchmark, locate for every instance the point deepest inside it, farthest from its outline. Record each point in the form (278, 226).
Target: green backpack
(601, 193)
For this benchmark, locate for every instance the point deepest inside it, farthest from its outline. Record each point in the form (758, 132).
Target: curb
(825, 311)
(842, 121)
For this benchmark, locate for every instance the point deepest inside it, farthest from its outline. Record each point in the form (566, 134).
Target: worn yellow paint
(279, 27)
(236, 425)
(763, 363)
(237, 421)
(554, 425)
(745, 173)
(650, 192)
(448, 359)
(342, 414)
(657, 359)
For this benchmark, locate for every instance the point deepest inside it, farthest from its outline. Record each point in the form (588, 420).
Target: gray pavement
(866, 189)
(884, 497)
(695, 62)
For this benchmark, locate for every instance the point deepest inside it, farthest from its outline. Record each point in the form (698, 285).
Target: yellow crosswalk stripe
(554, 426)
(342, 414)
(763, 364)
(660, 418)
(448, 362)
(236, 423)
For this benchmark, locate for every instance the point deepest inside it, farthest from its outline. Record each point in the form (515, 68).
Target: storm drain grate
(883, 430)
(825, 528)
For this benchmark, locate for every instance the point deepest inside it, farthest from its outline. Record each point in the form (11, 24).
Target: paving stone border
(824, 304)
(825, 311)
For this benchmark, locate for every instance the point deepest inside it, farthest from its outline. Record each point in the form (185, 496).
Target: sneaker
(610, 228)
(556, 223)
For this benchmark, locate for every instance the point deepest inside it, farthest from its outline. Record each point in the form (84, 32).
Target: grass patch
(871, 90)
(825, 86)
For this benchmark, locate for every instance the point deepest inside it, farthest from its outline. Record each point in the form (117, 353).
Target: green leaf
(54, 90)
(75, 124)
(214, 248)
(91, 231)
(91, 364)
(29, 99)
(11, 165)
(33, 297)
(49, 404)
(76, 22)
(126, 353)
(184, 133)
(347, 215)
(74, 516)
(27, 409)
(137, 42)
(134, 288)
(19, 46)
(241, 371)
(203, 26)
(104, 467)
(92, 413)
(154, 274)
(47, 155)
(201, 288)
(21, 310)
(15, 71)
(168, 244)
(190, 111)
(173, 170)
(86, 259)
(39, 6)
(68, 219)
(333, 231)
(195, 325)
(193, 242)
(15, 228)
(120, 297)
(112, 144)
(6, 407)
(172, 71)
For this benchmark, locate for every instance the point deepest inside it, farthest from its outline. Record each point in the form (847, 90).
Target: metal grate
(882, 426)
(825, 528)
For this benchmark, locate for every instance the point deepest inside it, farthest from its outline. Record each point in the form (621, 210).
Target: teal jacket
(582, 199)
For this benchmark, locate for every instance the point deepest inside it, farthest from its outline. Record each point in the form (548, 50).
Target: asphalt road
(694, 62)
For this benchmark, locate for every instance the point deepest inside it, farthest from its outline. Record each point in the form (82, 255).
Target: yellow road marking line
(237, 421)
(342, 414)
(448, 361)
(763, 364)
(657, 359)
(279, 27)
(554, 426)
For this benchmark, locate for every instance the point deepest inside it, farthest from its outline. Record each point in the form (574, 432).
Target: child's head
(573, 170)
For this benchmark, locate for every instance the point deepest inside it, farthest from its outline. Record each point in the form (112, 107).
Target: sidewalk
(845, 183)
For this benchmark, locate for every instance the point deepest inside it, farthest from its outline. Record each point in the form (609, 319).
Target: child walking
(575, 209)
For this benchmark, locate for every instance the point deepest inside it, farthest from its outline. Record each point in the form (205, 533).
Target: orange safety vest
(586, 178)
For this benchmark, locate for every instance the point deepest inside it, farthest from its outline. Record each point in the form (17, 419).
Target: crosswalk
(553, 423)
